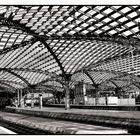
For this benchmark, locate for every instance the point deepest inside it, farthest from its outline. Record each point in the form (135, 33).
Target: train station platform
(128, 120)
(25, 124)
(99, 107)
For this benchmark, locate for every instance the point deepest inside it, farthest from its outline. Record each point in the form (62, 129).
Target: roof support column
(18, 98)
(84, 93)
(21, 102)
(67, 92)
(94, 85)
(117, 91)
(25, 96)
(96, 95)
(32, 99)
(117, 88)
(40, 100)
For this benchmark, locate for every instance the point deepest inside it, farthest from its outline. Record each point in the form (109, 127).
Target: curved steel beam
(89, 34)
(14, 82)
(71, 62)
(116, 78)
(16, 46)
(7, 89)
(9, 86)
(135, 84)
(3, 88)
(117, 18)
(107, 71)
(107, 60)
(18, 76)
(95, 64)
(47, 80)
(34, 70)
(114, 83)
(130, 85)
(89, 57)
(120, 74)
(111, 82)
(53, 54)
(90, 77)
(48, 86)
(17, 25)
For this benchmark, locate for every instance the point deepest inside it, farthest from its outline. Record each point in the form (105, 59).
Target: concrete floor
(110, 113)
(64, 127)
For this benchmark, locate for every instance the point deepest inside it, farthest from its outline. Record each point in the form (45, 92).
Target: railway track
(22, 130)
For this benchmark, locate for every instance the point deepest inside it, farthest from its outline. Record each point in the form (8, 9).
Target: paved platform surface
(99, 107)
(109, 113)
(58, 126)
(129, 120)
(5, 131)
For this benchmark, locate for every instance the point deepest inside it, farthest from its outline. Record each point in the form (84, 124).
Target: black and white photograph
(69, 69)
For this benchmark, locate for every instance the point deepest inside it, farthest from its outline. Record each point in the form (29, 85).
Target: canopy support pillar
(32, 98)
(67, 92)
(84, 93)
(96, 95)
(18, 98)
(40, 101)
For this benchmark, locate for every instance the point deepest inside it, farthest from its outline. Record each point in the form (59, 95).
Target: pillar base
(67, 108)
(67, 104)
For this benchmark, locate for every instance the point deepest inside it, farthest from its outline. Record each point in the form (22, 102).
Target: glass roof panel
(126, 9)
(123, 19)
(116, 15)
(130, 24)
(107, 20)
(127, 33)
(107, 11)
(112, 32)
(83, 9)
(77, 37)
(132, 14)
(99, 16)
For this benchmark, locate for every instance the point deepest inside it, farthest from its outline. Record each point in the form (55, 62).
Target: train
(5, 99)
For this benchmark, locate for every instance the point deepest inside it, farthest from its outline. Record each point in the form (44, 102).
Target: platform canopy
(41, 43)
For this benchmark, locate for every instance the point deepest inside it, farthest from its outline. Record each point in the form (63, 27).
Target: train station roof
(95, 43)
